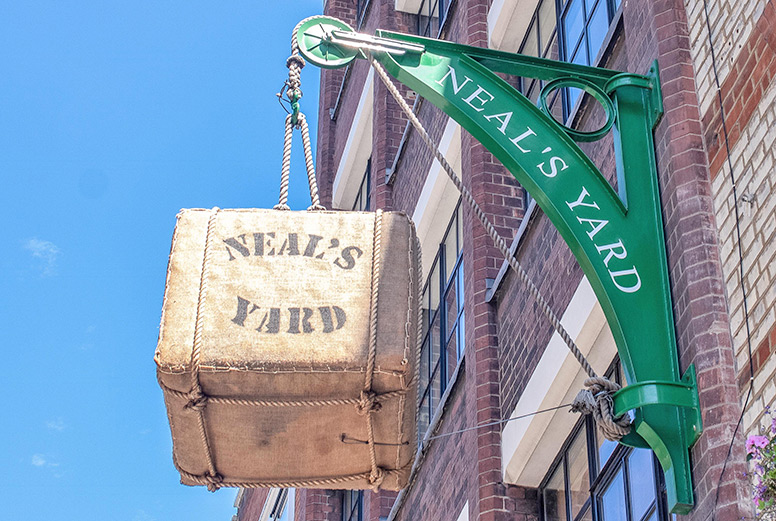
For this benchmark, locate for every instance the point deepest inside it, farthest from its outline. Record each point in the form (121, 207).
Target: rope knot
(197, 400)
(295, 59)
(213, 481)
(281, 207)
(597, 400)
(368, 403)
(376, 478)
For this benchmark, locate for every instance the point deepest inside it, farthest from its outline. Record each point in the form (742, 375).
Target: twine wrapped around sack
(285, 335)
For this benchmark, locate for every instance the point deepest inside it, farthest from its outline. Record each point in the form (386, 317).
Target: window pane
(451, 310)
(288, 508)
(461, 336)
(458, 225)
(460, 286)
(451, 255)
(580, 57)
(587, 516)
(573, 23)
(642, 481)
(579, 476)
(546, 22)
(613, 500)
(425, 373)
(436, 387)
(423, 417)
(555, 497)
(530, 46)
(605, 450)
(426, 312)
(434, 341)
(533, 91)
(452, 353)
(597, 29)
(433, 289)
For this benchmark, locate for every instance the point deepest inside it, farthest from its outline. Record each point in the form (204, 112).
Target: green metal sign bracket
(616, 236)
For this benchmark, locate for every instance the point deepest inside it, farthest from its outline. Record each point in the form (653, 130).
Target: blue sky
(113, 116)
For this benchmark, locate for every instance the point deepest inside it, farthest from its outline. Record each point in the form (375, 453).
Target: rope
(326, 482)
(491, 230)
(197, 399)
(285, 169)
(597, 400)
(222, 400)
(368, 406)
(293, 91)
(310, 164)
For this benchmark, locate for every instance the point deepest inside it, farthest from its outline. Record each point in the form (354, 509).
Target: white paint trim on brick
(528, 446)
(358, 149)
(464, 515)
(508, 20)
(438, 197)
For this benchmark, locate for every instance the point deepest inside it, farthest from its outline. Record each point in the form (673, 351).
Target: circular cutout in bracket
(597, 93)
(314, 37)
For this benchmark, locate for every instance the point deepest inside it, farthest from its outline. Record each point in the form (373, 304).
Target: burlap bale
(282, 314)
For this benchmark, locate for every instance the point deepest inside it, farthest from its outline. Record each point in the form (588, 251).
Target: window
(583, 25)
(442, 321)
(431, 17)
(361, 8)
(580, 26)
(283, 508)
(594, 479)
(364, 196)
(352, 505)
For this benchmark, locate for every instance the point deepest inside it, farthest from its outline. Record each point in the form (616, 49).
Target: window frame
(356, 509)
(558, 35)
(364, 194)
(441, 8)
(286, 497)
(362, 6)
(601, 477)
(439, 350)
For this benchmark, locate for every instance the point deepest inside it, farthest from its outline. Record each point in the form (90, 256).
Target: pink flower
(759, 442)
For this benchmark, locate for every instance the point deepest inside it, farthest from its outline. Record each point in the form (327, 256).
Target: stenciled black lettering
(307, 314)
(291, 244)
(234, 243)
(269, 243)
(348, 258)
(341, 317)
(309, 251)
(242, 311)
(328, 324)
(258, 244)
(272, 320)
(293, 321)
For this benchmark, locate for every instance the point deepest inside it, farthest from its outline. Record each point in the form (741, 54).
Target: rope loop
(368, 403)
(376, 477)
(295, 60)
(197, 401)
(214, 481)
(596, 399)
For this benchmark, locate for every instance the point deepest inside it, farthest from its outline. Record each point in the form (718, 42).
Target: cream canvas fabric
(278, 303)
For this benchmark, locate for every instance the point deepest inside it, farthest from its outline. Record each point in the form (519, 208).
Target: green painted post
(616, 238)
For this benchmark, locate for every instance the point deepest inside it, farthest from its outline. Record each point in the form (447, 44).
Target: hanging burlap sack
(288, 348)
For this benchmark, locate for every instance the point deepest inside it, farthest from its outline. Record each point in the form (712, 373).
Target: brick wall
(748, 92)
(252, 503)
(732, 24)
(504, 341)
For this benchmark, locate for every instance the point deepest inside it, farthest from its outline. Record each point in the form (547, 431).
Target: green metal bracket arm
(616, 235)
